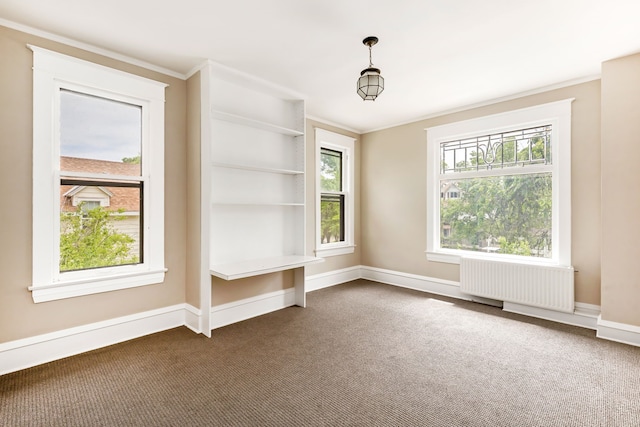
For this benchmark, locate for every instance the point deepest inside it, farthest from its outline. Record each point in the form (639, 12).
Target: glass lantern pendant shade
(370, 83)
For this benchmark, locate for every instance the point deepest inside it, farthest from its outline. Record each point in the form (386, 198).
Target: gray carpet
(360, 354)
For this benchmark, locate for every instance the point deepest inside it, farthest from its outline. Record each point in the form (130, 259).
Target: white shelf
(257, 168)
(239, 270)
(245, 121)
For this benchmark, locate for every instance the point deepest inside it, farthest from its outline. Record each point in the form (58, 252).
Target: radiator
(538, 286)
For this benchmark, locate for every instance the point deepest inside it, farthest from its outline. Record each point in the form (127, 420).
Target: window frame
(346, 146)
(558, 115)
(53, 72)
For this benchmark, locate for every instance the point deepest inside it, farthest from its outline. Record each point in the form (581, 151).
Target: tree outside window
(332, 198)
(511, 173)
(508, 214)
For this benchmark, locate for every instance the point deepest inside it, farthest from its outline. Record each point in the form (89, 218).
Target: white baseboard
(582, 317)
(28, 352)
(331, 278)
(432, 285)
(237, 311)
(619, 332)
(585, 315)
(192, 318)
(32, 351)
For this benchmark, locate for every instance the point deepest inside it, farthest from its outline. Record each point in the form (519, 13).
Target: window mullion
(337, 193)
(529, 170)
(99, 176)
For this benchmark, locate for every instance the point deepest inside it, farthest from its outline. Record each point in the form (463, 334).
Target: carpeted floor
(360, 354)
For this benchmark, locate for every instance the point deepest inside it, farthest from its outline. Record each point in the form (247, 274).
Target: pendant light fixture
(370, 83)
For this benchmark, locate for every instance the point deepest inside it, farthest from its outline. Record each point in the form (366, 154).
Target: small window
(446, 230)
(88, 205)
(331, 197)
(334, 177)
(102, 226)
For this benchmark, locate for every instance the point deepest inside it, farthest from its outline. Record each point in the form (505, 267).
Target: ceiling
(435, 55)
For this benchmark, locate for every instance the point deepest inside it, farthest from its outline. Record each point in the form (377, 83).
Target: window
(99, 136)
(98, 194)
(334, 190)
(500, 187)
(331, 197)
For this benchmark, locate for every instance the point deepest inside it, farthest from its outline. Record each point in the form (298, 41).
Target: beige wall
(620, 197)
(393, 197)
(226, 291)
(19, 316)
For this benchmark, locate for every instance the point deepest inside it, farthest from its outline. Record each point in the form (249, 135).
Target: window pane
(508, 214)
(518, 148)
(99, 135)
(331, 218)
(330, 170)
(99, 224)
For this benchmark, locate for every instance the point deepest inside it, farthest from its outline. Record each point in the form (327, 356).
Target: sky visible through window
(97, 128)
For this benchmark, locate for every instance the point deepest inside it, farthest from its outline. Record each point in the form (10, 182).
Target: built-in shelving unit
(255, 180)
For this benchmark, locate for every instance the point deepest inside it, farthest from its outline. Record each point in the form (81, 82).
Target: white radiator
(533, 285)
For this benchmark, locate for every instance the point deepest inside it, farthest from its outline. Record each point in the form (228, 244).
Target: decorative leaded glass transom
(519, 148)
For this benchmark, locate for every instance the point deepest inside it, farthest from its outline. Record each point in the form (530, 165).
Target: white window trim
(558, 114)
(52, 71)
(346, 145)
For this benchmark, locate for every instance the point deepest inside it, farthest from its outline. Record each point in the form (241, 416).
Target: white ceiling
(435, 55)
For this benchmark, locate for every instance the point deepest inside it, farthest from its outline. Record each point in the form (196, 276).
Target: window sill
(70, 289)
(442, 257)
(342, 250)
(451, 258)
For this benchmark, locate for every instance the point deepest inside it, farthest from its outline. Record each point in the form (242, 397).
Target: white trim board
(28, 352)
(585, 318)
(584, 315)
(33, 351)
(237, 311)
(91, 48)
(618, 332)
(37, 350)
(193, 319)
(332, 278)
(432, 285)
(493, 101)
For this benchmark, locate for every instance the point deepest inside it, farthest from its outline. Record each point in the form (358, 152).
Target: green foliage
(508, 152)
(330, 220)
(331, 170)
(519, 247)
(87, 240)
(134, 160)
(509, 212)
